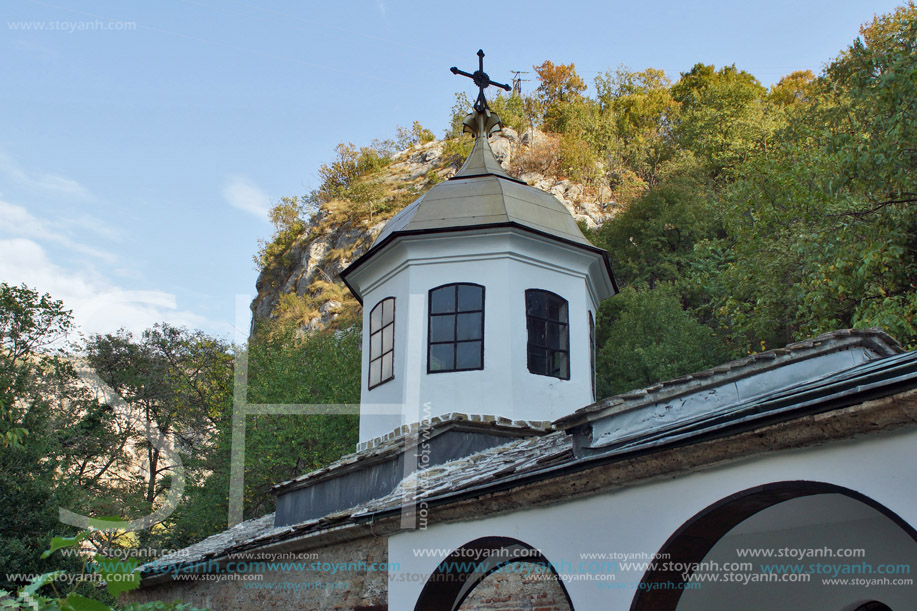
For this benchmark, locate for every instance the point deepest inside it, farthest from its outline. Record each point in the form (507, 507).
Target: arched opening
(781, 545)
(871, 605)
(499, 563)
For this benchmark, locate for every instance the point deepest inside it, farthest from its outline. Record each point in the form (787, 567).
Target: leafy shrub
(287, 216)
(511, 110)
(417, 134)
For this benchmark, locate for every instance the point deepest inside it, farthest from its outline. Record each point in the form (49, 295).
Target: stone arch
(466, 567)
(696, 537)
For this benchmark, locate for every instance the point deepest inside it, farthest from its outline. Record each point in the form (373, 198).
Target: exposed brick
(365, 590)
(520, 587)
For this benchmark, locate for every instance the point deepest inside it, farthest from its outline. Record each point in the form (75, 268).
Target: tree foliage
(646, 336)
(38, 401)
(32, 327)
(559, 86)
(821, 225)
(318, 370)
(173, 381)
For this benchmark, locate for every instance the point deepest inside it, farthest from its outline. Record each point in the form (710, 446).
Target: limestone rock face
(324, 249)
(309, 263)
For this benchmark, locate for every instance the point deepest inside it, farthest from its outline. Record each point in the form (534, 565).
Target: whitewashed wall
(506, 263)
(642, 518)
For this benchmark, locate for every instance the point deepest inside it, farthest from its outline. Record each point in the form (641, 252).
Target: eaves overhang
(393, 237)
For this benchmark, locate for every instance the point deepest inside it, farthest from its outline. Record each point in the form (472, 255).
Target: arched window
(382, 342)
(456, 328)
(592, 351)
(549, 334)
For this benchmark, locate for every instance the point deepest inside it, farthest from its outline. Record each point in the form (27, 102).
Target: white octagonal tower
(478, 298)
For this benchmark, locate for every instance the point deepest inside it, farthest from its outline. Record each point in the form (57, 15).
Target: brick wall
(519, 587)
(339, 590)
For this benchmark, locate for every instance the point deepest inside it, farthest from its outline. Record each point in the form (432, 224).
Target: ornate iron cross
(482, 81)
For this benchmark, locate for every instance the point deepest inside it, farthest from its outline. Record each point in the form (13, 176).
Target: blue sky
(142, 143)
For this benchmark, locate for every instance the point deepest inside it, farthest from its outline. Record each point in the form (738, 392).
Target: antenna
(517, 81)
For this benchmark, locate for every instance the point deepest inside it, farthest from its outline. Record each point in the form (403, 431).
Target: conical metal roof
(482, 194)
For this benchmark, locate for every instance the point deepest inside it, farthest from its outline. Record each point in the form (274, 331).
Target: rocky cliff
(303, 286)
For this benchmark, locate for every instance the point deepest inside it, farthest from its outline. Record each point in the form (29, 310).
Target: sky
(142, 143)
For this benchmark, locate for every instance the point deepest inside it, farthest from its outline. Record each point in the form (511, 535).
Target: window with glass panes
(549, 334)
(382, 342)
(456, 328)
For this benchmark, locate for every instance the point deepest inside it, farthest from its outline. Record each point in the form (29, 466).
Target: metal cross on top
(483, 81)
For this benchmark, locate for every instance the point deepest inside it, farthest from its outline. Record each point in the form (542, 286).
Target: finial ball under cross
(482, 81)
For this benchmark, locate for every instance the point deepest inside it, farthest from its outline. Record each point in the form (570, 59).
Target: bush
(417, 134)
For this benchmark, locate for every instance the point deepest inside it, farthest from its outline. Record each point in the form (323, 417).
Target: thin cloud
(245, 195)
(16, 221)
(93, 224)
(40, 181)
(98, 305)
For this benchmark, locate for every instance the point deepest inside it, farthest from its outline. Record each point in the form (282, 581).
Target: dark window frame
(548, 350)
(454, 341)
(382, 351)
(592, 352)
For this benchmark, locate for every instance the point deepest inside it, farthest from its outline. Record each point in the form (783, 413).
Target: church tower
(478, 298)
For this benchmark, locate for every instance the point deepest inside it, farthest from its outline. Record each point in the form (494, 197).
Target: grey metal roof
(874, 340)
(885, 375)
(482, 161)
(480, 194)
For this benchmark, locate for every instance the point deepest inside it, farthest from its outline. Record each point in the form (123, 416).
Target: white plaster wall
(506, 263)
(641, 518)
(848, 524)
(382, 412)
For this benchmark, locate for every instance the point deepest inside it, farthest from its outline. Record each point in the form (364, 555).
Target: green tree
(559, 84)
(343, 178)
(821, 227)
(643, 112)
(32, 326)
(793, 88)
(653, 239)
(173, 381)
(322, 368)
(289, 218)
(36, 385)
(644, 336)
(724, 116)
(284, 367)
(511, 109)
